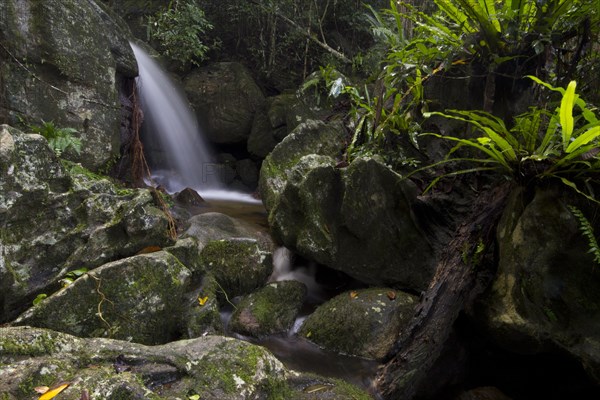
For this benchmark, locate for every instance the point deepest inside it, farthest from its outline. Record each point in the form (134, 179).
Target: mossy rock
(270, 310)
(362, 219)
(58, 216)
(239, 265)
(69, 59)
(212, 367)
(545, 295)
(137, 298)
(361, 323)
(202, 312)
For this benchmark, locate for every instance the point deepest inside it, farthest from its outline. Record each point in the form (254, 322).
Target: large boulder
(362, 219)
(137, 298)
(211, 367)
(545, 295)
(361, 323)
(55, 218)
(66, 62)
(226, 98)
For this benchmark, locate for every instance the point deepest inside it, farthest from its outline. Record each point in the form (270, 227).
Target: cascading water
(169, 119)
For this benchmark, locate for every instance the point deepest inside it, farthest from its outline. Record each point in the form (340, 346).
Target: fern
(586, 229)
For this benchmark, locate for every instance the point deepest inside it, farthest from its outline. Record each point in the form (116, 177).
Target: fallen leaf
(52, 393)
(353, 294)
(149, 249)
(202, 300)
(391, 295)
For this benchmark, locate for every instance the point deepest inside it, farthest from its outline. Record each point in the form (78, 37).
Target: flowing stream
(169, 120)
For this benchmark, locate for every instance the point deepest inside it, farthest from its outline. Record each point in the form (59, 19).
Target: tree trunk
(418, 348)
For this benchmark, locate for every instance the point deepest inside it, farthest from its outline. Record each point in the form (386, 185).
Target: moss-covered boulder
(270, 310)
(211, 367)
(56, 217)
(362, 219)
(545, 295)
(239, 265)
(226, 98)
(137, 298)
(361, 323)
(66, 62)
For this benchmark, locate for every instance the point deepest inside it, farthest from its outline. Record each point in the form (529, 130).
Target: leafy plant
(71, 276)
(59, 139)
(586, 229)
(540, 144)
(179, 30)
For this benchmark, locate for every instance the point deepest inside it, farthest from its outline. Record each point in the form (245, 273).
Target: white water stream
(169, 119)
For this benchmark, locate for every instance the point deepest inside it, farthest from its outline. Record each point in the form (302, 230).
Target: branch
(306, 32)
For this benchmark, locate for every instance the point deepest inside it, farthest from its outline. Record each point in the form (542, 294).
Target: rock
(238, 265)
(202, 312)
(211, 367)
(248, 172)
(361, 220)
(138, 299)
(226, 97)
(270, 310)
(212, 226)
(189, 197)
(311, 137)
(66, 62)
(55, 218)
(281, 115)
(362, 323)
(545, 295)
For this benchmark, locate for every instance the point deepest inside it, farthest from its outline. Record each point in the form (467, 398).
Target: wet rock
(545, 295)
(238, 265)
(77, 56)
(361, 323)
(360, 219)
(212, 226)
(56, 217)
(226, 97)
(189, 197)
(138, 298)
(211, 367)
(270, 310)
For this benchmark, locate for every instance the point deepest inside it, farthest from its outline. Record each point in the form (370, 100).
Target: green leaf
(583, 139)
(566, 113)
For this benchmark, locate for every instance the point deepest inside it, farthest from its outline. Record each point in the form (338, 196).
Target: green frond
(586, 229)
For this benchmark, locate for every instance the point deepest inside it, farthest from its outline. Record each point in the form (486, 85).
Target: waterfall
(170, 121)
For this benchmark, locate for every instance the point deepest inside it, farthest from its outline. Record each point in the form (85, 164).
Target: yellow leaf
(52, 393)
(353, 294)
(202, 300)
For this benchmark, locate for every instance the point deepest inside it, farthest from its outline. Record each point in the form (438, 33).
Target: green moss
(223, 367)
(35, 345)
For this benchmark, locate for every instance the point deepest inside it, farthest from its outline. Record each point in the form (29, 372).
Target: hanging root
(140, 171)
